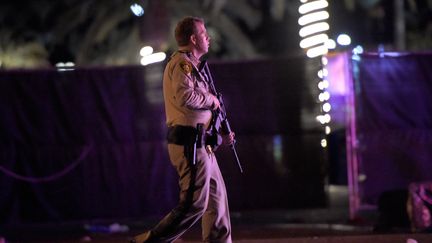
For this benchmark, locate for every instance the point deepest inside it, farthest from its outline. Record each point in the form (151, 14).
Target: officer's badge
(186, 67)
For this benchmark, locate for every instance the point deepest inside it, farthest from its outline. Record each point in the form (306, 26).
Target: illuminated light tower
(315, 41)
(313, 27)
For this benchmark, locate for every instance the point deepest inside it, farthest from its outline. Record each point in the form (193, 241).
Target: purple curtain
(393, 105)
(90, 143)
(100, 121)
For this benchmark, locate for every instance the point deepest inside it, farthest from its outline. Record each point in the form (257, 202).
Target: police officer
(189, 102)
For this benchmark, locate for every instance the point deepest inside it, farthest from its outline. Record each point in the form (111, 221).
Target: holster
(214, 140)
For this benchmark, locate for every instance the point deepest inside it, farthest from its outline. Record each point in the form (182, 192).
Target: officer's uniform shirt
(188, 100)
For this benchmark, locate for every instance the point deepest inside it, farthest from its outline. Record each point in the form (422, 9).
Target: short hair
(185, 28)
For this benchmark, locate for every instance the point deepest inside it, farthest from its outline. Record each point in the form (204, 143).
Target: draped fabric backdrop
(90, 143)
(391, 124)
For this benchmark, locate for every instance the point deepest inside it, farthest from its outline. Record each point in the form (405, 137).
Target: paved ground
(322, 225)
(288, 233)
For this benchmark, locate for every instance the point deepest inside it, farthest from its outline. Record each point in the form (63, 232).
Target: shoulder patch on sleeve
(186, 67)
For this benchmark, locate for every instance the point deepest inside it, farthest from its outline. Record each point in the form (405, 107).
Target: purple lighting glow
(338, 77)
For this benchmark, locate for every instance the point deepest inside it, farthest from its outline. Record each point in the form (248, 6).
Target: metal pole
(399, 25)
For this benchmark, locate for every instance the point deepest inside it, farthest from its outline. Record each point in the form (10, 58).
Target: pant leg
(194, 182)
(216, 224)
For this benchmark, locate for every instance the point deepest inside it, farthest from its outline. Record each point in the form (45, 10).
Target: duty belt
(184, 135)
(187, 135)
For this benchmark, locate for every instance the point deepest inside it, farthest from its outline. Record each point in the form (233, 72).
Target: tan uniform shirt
(188, 100)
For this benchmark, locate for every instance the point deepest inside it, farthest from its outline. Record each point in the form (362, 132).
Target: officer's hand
(228, 139)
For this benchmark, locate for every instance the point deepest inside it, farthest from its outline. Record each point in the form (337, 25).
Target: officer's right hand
(228, 139)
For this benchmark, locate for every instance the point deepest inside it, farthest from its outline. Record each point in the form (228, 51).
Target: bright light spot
(331, 44)
(322, 73)
(326, 107)
(317, 51)
(313, 17)
(324, 61)
(357, 50)
(146, 50)
(323, 119)
(314, 28)
(327, 118)
(303, 1)
(324, 96)
(153, 58)
(343, 40)
(137, 9)
(327, 130)
(356, 53)
(68, 66)
(325, 83)
(312, 6)
(313, 40)
(323, 143)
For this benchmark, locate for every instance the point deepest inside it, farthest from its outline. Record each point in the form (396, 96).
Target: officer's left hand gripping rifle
(220, 119)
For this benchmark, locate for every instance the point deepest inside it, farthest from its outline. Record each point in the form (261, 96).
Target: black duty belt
(184, 135)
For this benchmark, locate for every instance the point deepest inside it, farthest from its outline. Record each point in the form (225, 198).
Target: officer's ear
(193, 39)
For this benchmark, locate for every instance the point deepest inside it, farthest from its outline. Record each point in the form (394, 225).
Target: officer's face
(202, 42)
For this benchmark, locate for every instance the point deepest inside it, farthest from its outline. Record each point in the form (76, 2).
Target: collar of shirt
(191, 56)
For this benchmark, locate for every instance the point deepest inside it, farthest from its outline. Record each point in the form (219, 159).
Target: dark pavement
(330, 224)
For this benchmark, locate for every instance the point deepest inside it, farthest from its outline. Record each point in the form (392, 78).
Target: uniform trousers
(202, 196)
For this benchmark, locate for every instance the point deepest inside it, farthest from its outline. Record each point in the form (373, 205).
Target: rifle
(221, 120)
